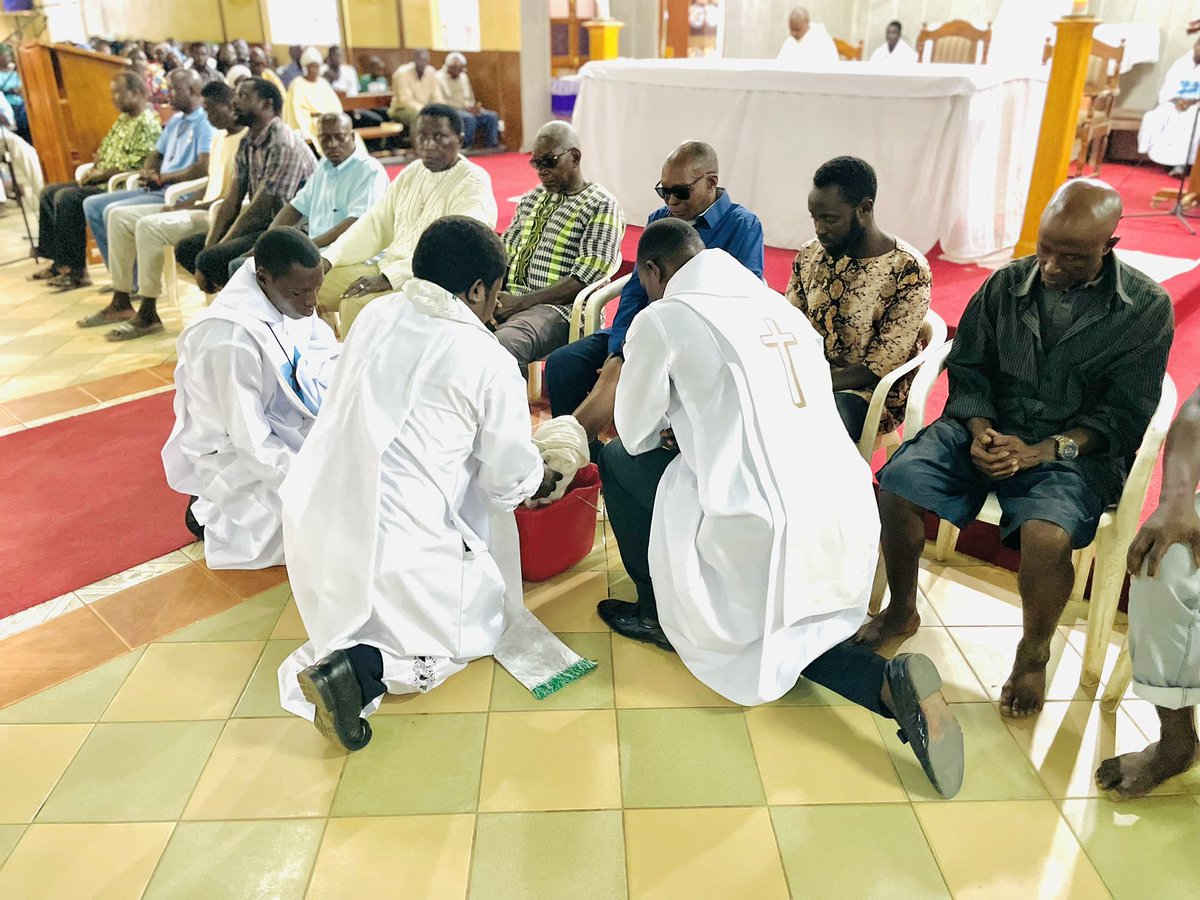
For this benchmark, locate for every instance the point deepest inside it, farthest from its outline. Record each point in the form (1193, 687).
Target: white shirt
(414, 199)
(903, 54)
(411, 92)
(815, 50)
(346, 81)
(764, 533)
(239, 420)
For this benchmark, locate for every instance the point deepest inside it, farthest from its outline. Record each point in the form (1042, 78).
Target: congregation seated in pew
(344, 79)
(253, 371)
(1056, 368)
(457, 91)
(272, 164)
(689, 184)
(309, 97)
(865, 292)
(415, 85)
(566, 234)
(444, 183)
(62, 228)
(138, 235)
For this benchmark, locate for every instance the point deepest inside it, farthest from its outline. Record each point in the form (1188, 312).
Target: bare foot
(886, 627)
(1134, 775)
(1024, 694)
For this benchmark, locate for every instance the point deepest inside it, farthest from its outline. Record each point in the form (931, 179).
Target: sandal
(46, 274)
(131, 330)
(71, 282)
(106, 317)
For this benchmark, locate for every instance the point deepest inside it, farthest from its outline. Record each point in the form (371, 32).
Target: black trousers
(213, 262)
(367, 663)
(62, 229)
(630, 484)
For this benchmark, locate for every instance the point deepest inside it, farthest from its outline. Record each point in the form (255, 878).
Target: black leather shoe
(189, 520)
(625, 619)
(926, 722)
(331, 686)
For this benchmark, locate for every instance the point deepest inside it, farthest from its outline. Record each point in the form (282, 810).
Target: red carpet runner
(85, 498)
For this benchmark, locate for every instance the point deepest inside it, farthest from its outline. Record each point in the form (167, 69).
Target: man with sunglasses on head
(566, 234)
(444, 183)
(581, 378)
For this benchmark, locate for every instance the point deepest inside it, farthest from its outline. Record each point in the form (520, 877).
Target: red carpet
(85, 498)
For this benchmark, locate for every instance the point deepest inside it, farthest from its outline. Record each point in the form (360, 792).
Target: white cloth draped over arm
(510, 469)
(644, 389)
(318, 363)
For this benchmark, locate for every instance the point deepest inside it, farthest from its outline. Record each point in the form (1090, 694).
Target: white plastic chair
(1114, 534)
(170, 272)
(933, 333)
(115, 182)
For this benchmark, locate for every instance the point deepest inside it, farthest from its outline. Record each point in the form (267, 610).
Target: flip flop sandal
(47, 274)
(96, 319)
(66, 283)
(128, 331)
(913, 679)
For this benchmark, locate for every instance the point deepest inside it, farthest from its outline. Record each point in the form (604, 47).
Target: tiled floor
(168, 767)
(143, 751)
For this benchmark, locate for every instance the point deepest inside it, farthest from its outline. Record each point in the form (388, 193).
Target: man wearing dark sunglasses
(581, 378)
(565, 235)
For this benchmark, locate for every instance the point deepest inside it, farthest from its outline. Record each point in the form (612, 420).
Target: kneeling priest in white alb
(398, 514)
(744, 515)
(252, 372)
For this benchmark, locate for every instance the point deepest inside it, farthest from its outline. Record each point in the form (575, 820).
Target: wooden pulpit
(69, 101)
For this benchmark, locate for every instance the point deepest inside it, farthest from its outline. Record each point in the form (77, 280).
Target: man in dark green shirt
(1055, 371)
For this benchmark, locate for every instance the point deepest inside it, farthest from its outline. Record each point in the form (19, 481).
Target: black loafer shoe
(331, 686)
(926, 721)
(625, 620)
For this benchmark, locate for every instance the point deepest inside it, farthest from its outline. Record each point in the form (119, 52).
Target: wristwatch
(1065, 448)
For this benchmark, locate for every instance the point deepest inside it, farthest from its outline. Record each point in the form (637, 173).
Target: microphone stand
(19, 195)
(1178, 211)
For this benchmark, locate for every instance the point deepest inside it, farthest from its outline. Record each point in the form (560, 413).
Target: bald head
(665, 247)
(688, 182)
(695, 154)
(1076, 233)
(798, 22)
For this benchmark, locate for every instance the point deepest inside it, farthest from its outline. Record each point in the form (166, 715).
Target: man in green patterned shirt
(566, 234)
(62, 229)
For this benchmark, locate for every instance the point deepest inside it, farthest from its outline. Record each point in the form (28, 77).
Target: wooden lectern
(69, 101)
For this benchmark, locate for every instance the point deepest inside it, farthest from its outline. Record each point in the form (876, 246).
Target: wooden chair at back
(848, 51)
(1100, 93)
(957, 41)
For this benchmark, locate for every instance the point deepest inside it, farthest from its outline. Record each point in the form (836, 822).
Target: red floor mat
(85, 498)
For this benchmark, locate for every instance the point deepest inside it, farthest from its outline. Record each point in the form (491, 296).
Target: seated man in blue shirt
(344, 185)
(181, 155)
(689, 187)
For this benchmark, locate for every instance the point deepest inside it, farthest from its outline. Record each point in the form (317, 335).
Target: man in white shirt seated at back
(253, 370)
(456, 88)
(895, 50)
(807, 45)
(744, 516)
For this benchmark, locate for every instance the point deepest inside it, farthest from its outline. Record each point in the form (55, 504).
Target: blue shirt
(183, 140)
(724, 226)
(333, 194)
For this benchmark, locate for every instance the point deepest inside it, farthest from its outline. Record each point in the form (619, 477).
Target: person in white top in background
(744, 515)
(456, 88)
(415, 85)
(253, 370)
(1167, 129)
(398, 513)
(807, 45)
(895, 50)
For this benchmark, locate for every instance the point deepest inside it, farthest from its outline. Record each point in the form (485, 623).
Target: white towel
(564, 447)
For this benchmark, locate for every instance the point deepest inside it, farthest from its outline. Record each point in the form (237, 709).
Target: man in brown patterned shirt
(865, 292)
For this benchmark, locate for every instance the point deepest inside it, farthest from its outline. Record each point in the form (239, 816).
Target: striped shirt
(555, 236)
(1105, 373)
(277, 160)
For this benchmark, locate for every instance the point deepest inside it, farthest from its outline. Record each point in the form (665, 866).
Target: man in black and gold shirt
(1055, 372)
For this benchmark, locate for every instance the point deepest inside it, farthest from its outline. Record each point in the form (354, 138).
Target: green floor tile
(592, 691)
(620, 586)
(237, 859)
(251, 620)
(1141, 848)
(806, 693)
(823, 854)
(132, 772)
(415, 764)
(519, 856)
(687, 757)
(9, 835)
(261, 697)
(995, 767)
(82, 699)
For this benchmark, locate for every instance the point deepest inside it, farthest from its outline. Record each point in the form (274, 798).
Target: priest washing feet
(398, 512)
(753, 552)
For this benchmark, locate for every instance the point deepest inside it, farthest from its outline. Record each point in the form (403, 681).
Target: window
(458, 25)
(303, 22)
